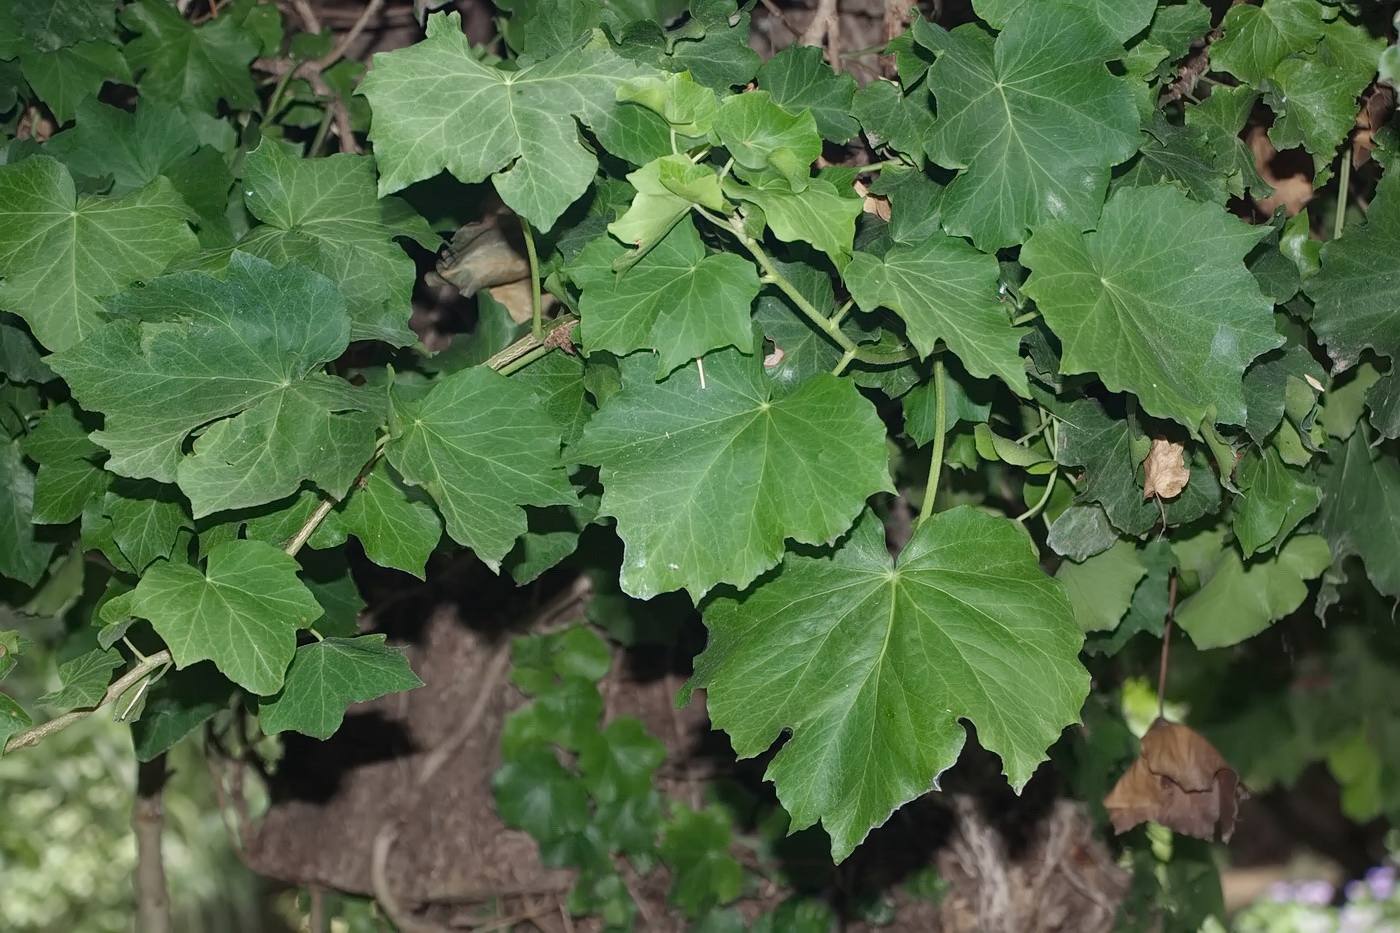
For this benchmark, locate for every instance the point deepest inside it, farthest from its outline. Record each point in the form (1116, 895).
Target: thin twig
(308, 15)
(1166, 645)
(119, 686)
(338, 52)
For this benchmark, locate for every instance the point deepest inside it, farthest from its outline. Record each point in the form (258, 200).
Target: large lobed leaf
(706, 483)
(871, 665)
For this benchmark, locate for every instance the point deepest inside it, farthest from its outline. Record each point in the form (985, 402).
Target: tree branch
(119, 686)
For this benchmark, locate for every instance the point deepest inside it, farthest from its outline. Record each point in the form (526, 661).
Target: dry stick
(147, 822)
(1166, 644)
(338, 51)
(308, 15)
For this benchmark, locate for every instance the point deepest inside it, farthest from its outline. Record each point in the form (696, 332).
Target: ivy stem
(940, 429)
(806, 307)
(1343, 184)
(319, 139)
(536, 299)
(842, 311)
(844, 362)
(275, 101)
(1030, 315)
(1040, 504)
(1166, 647)
(119, 686)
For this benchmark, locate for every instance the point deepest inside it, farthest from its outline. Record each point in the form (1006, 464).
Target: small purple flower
(1318, 893)
(1381, 881)
(1282, 892)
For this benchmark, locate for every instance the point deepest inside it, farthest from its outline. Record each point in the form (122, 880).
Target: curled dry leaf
(876, 204)
(1166, 469)
(1180, 781)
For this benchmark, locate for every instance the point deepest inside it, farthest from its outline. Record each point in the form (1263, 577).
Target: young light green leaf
(680, 299)
(687, 107)
(189, 349)
(812, 211)
(1157, 301)
(1238, 600)
(1356, 295)
(437, 106)
(1274, 500)
(482, 447)
(759, 134)
(1257, 38)
(872, 665)
(327, 676)
(944, 290)
(61, 252)
(242, 612)
(396, 529)
(193, 65)
(1100, 588)
(745, 467)
(324, 212)
(1035, 121)
(84, 680)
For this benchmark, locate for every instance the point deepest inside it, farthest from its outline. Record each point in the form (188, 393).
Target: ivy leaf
(61, 252)
(1257, 38)
(871, 666)
(22, 557)
(1361, 509)
(327, 676)
(1100, 588)
(679, 298)
(759, 134)
(1356, 295)
(65, 77)
(396, 528)
(189, 349)
(944, 290)
(84, 679)
(1034, 121)
(437, 106)
(55, 25)
(813, 211)
(13, 719)
(695, 846)
(1316, 94)
(746, 468)
(242, 612)
(324, 212)
(482, 447)
(1177, 155)
(1275, 499)
(893, 118)
(800, 81)
(179, 703)
(1081, 531)
(193, 65)
(1104, 447)
(1157, 301)
(1123, 19)
(133, 148)
(136, 523)
(1238, 600)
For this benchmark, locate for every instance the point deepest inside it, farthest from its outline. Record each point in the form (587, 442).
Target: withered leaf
(1180, 781)
(1166, 470)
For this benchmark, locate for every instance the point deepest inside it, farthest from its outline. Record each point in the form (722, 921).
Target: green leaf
(679, 298)
(1150, 603)
(22, 558)
(1157, 301)
(136, 523)
(713, 45)
(695, 846)
(893, 118)
(85, 679)
(242, 612)
(1356, 295)
(329, 675)
(800, 81)
(1104, 446)
(134, 148)
(437, 106)
(1361, 509)
(61, 252)
(1316, 95)
(1180, 156)
(944, 290)
(19, 354)
(324, 212)
(687, 107)
(815, 212)
(55, 25)
(1034, 121)
(179, 703)
(1080, 532)
(656, 207)
(13, 719)
(482, 447)
(759, 134)
(187, 64)
(63, 78)
(1100, 588)
(63, 488)
(620, 764)
(189, 349)
(1123, 19)
(915, 203)
(535, 793)
(397, 528)
(872, 665)
(1258, 38)
(1237, 600)
(745, 467)
(1274, 500)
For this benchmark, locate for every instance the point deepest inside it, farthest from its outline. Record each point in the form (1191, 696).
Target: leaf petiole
(940, 430)
(536, 299)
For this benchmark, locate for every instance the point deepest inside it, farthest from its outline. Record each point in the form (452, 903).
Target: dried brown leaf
(1166, 469)
(1180, 781)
